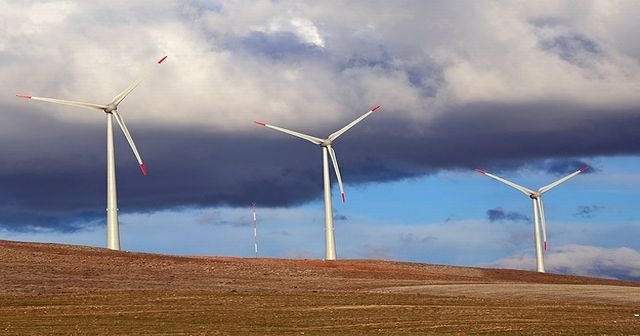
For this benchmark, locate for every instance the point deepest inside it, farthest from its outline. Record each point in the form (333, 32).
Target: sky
(530, 91)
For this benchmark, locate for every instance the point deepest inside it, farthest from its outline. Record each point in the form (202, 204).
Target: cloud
(587, 211)
(302, 28)
(299, 232)
(377, 252)
(566, 167)
(499, 214)
(14, 220)
(279, 46)
(410, 239)
(455, 242)
(339, 217)
(509, 86)
(571, 47)
(219, 217)
(617, 263)
(243, 216)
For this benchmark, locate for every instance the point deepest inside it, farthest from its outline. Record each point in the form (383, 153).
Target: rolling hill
(49, 289)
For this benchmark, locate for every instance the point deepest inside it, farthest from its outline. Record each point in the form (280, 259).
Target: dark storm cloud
(26, 220)
(57, 175)
(499, 214)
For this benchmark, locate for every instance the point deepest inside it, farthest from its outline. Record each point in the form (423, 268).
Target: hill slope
(49, 289)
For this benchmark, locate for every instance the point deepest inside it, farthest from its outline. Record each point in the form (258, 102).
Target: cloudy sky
(528, 90)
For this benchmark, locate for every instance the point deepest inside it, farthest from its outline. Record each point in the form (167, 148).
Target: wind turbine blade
(66, 102)
(127, 135)
(524, 190)
(122, 95)
(341, 131)
(332, 153)
(562, 180)
(309, 138)
(543, 222)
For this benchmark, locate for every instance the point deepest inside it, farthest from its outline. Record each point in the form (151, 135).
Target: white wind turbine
(111, 111)
(538, 210)
(327, 149)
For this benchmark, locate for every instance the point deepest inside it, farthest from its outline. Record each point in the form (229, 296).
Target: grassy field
(52, 289)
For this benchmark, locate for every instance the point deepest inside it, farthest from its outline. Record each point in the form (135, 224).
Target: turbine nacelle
(110, 108)
(326, 143)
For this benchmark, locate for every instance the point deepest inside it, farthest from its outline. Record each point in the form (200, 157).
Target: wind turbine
(538, 210)
(327, 149)
(111, 111)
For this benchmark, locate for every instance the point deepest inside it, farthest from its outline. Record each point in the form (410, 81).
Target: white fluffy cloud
(299, 232)
(333, 59)
(622, 262)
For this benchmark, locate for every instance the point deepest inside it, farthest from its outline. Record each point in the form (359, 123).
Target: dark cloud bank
(191, 168)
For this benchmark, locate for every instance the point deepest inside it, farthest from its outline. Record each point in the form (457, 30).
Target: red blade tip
(584, 168)
(480, 171)
(260, 123)
(162, 59)
(375, 108)
(343, 198)
(545, 245)
(143, 168)
(23, 96)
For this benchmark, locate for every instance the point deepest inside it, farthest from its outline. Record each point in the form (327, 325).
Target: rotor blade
(335, 167)
(524, 190)
(543, 222)
(66, 102)
(127, 135)
(564, 179)
(122, 95)
(309, 138)
(341, 131)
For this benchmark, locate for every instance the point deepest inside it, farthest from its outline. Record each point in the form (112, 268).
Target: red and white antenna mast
(255, 230)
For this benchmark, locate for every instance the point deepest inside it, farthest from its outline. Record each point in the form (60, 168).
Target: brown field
(48, 289)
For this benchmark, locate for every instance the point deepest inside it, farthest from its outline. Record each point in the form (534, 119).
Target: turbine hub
(534, 196)
(326, 143)
(110, 108)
